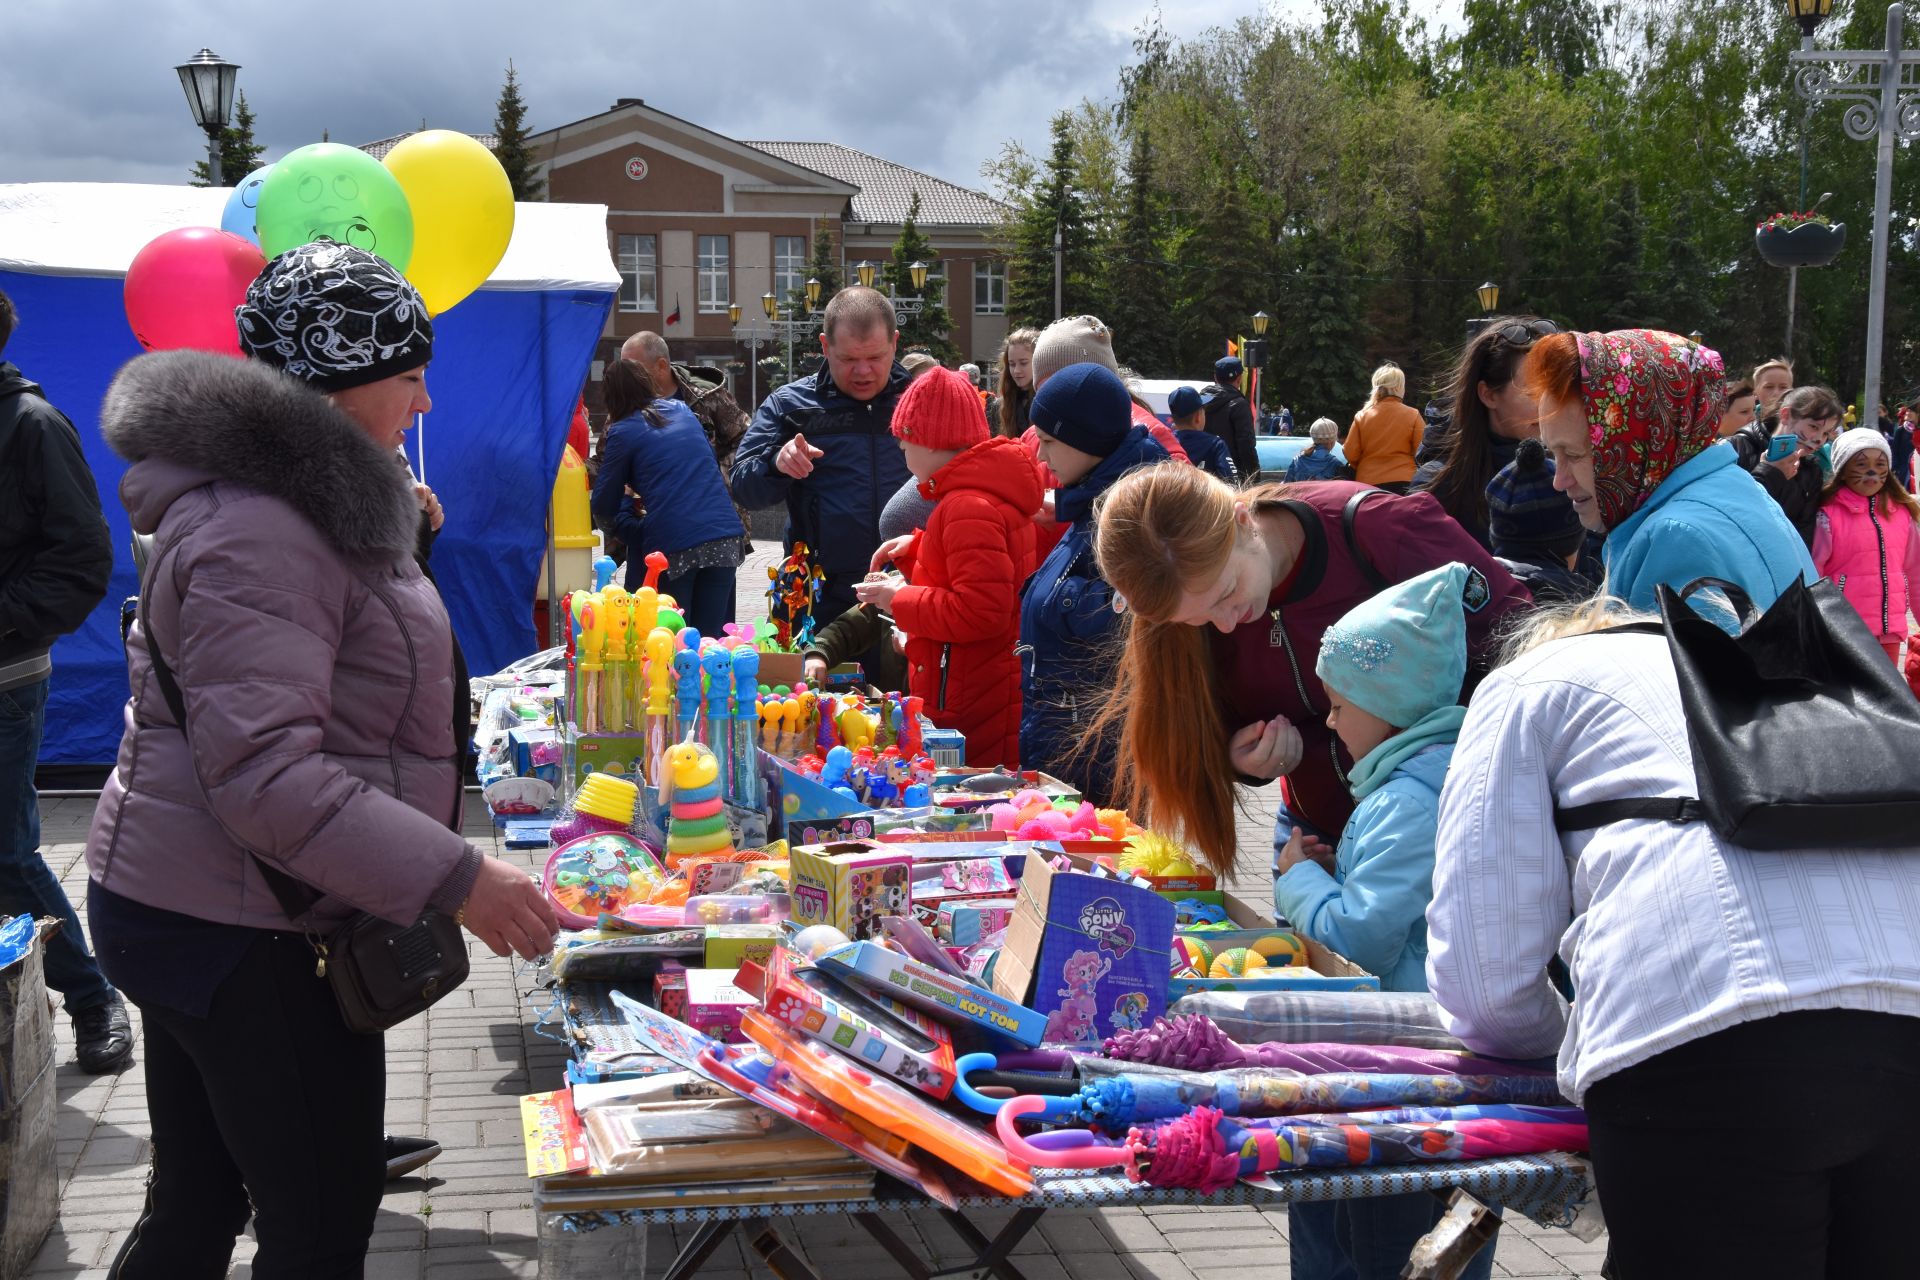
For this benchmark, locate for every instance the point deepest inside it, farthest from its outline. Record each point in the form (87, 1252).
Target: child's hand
(1293, 854)
(891, 549)
(1266, 748)
(1318, 850)
(879, 591)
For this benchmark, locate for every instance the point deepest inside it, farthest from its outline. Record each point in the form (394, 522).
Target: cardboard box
(714, 1004)
(1092, 953)
(850, 885)
(876, 1031)
(831, 830)
(874, 968)
(965, 924)
(731, 945)
(29, 1174)
(778, 668)
(620, 754)
(670, 991)
(1325, 970)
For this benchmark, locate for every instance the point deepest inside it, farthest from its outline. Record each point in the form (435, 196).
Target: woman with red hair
(1630, 418)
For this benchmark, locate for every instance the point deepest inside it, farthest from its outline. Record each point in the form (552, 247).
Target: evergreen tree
(1621, 298)
(510, 141)
(1134, 278)
(823, 266)
(1215, 264)
(1054, 205)
(928, 329)
(1318, 363)
(239, 153)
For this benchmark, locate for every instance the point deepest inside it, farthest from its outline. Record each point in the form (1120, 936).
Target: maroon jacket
(1267, 668)
(315, 660)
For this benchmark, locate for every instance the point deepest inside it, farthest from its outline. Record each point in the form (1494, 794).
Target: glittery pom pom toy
(696, 817)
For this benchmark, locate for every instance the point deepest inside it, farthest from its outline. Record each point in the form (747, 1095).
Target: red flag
(673, 317)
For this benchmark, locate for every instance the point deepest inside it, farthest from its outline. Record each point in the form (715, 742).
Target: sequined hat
(1403, 653)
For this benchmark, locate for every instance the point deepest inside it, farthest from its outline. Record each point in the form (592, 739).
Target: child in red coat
(959, 599)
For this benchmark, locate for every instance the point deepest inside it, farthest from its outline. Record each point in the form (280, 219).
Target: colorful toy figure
(790, 600)
(1129, 1011)
(697, 820)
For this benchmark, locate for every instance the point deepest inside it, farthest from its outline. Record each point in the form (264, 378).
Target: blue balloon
(237, 217)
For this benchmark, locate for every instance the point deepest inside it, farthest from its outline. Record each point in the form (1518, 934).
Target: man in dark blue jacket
(55, 558)
(824, 445)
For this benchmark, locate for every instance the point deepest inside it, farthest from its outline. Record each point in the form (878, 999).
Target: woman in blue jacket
(1631, 418)
(660, 489)
(1068, 643)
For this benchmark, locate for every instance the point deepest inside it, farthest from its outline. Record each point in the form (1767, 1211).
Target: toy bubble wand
(618, 606)
(717, 664)
(659, 698)
(746, 761)
(686, 684)
(590, 612)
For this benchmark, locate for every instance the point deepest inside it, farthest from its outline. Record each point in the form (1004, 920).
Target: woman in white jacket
(1742, 1020)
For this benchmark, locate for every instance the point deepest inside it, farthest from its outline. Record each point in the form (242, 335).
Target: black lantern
(865, 273)
(1489, 294)
(918, 271)
(208, 79)
(1809, 14)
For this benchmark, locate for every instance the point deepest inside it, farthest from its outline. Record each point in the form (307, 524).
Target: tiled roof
(378, 150)
(886, 188)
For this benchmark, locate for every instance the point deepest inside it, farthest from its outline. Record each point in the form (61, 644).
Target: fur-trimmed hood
(186, 418)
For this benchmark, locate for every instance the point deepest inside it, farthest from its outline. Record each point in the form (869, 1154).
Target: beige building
(698, 222)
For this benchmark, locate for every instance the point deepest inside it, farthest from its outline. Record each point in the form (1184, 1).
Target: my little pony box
(1090, 952)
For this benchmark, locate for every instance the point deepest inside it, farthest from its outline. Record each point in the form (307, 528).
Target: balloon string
(420, 443)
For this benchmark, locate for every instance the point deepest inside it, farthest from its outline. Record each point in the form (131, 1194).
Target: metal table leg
(694, 1254)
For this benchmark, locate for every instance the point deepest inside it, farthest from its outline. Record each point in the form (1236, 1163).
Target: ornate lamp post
(208, 79)
(904, 308)
(752, 339)
(1883, 103)
(786, 326)
(1489, 295)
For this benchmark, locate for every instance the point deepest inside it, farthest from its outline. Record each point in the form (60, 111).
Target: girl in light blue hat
(1392, 667)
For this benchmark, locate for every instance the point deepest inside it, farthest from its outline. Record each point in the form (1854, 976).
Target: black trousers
(1775, 1148)
(266, 1108)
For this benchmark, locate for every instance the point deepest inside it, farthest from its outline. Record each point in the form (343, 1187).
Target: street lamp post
(1883, 103)
(903, 308)
(785, 326)
(752, 339)
(1257, 354)
(208, 79)
(1489, 295)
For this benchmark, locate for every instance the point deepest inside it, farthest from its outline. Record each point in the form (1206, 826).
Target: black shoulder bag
(1803, 735)
(381, 973)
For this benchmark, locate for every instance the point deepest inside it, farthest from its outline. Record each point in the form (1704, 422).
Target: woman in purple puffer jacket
(316, 667)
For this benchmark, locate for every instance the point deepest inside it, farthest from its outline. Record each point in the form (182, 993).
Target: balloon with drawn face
(243, 206)
(334, 192)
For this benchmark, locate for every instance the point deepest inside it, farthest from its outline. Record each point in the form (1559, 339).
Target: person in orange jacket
(1385, 433)
(957, 596)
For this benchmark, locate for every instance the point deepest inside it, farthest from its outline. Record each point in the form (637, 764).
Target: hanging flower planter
(1799, 240)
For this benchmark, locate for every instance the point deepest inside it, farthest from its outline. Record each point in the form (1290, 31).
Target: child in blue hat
(1393, 667)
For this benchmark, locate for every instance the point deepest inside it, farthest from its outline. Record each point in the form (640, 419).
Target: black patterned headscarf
(334, 317)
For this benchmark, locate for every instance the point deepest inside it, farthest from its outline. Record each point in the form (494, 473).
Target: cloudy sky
(90, 93)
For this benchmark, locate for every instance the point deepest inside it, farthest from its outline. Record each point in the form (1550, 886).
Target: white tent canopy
(95, 228)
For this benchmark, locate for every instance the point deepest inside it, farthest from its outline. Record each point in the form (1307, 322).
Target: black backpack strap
(1585, 817)
(1349, 514)
(295, 898)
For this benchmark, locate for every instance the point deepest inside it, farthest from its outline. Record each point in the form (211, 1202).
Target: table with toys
(808, 967)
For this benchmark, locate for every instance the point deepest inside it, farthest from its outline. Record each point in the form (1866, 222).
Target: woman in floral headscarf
(1630, 418)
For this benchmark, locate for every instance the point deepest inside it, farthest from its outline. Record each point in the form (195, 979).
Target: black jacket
(1230, 417)
(1799, 497)
(55, 552)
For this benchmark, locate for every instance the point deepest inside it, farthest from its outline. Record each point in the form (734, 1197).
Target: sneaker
(404, 1155)
(103, 1037)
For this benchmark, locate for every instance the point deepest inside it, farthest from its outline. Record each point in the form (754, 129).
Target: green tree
(1137, 302)
(928, 328)
(510, 141)
(1055, 204)
(239, 153)
(823, 266)
(1562, 36)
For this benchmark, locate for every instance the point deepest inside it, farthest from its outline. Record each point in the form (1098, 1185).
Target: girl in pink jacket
(1867, 535)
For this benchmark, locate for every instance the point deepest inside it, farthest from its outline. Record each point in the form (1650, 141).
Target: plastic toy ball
(1191, 958)
(1281, 950)
(817, 939)
(1240, 962)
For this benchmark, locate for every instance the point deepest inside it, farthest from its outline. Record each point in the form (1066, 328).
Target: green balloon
(334, 192)
(671, 620)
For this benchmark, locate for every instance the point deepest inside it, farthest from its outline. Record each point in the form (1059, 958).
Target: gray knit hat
(334, 317)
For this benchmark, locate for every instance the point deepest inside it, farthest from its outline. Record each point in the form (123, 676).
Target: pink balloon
(182, 288)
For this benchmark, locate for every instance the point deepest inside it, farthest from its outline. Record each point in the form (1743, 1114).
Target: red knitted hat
(940, 410)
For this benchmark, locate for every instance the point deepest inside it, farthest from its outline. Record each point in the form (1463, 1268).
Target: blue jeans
(26, 885)
(1367, 1239)
(705, 597)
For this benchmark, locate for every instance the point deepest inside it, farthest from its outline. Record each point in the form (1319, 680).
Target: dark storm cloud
(90, 92)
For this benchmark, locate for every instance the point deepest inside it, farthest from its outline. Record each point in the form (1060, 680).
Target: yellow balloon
(462, 213)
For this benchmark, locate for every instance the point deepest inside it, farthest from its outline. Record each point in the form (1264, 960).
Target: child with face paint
(1867, 535)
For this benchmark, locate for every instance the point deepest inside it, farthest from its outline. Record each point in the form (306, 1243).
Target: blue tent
(508, 364)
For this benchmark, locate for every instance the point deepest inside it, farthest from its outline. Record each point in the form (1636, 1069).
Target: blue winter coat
(1209, 453)
(1315, 463)
(836, 509)
(1710, 518)
(1374, 911)
(671, 467)
(1069, 631)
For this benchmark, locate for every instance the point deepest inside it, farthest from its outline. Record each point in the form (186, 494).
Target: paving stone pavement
(457, 1073)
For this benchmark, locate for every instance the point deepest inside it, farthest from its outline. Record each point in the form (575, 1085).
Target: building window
(716, 275)
(789, 266)
(989, 288)
(639, 274)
